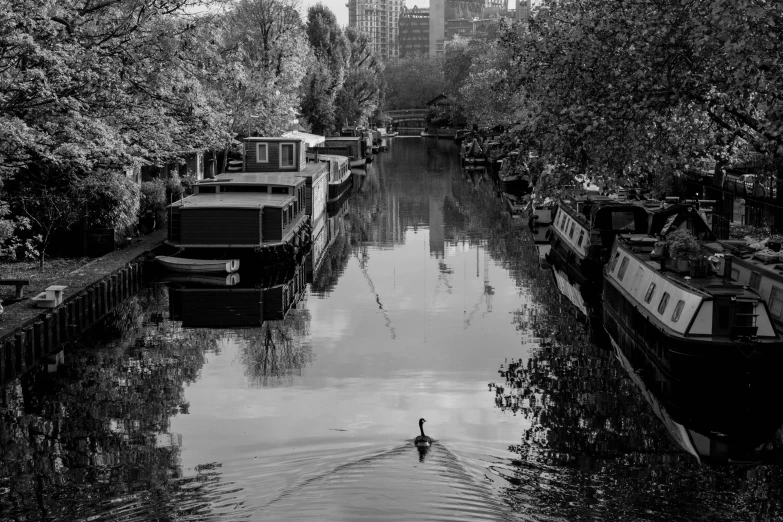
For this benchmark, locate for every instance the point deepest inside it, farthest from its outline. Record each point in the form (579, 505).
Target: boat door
(734, 317)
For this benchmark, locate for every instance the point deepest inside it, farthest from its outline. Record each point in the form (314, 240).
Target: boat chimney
(727, 264)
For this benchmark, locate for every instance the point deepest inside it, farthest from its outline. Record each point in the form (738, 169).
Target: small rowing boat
(198, 266)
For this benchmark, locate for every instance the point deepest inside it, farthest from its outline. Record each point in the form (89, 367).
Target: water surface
(425, 300)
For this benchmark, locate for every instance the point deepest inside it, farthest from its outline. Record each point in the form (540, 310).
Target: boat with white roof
(701, 323)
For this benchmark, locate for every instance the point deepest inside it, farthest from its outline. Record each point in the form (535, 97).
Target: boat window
(664, 302)
(744, 315)
(614, 261)
(243, 188)
(206, 190)
(581, 238)
(650, 292)
(678, 310)
(287, 155)
(262, 153)
(623, 268)
(562, 220)
(571, 232)
(776, 302)
(623, 221)
(755, 280)
(279, 190)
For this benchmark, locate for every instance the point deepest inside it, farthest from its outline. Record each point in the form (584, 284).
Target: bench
(18, 283)
(51, 297)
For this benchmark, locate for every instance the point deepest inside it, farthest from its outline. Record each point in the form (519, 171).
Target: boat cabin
(280, 154)
(355, 148)
(239, 210)
(642, 292)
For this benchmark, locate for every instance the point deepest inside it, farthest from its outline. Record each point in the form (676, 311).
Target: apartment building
(380, 20)
(414, 26)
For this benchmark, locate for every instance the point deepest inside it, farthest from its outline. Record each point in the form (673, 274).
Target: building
(523, 9)
(414, 35)
(379, 19)
(461, 17)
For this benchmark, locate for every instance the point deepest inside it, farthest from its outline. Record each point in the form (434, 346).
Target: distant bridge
(408, 122)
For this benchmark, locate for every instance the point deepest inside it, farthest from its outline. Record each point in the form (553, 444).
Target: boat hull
(709, 359)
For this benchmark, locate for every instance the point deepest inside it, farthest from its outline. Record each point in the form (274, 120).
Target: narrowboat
(583, 232)
(700, 325)
(339, 178)
(713, 418)
(286, 156)
(584, 229)
(357, 149)
(241, 212)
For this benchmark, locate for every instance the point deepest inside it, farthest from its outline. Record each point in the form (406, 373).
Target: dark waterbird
(422, 441)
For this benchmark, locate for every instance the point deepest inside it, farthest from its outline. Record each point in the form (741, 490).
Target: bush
(683, 245)
(152, 205)
(16, 238)
(111, 199)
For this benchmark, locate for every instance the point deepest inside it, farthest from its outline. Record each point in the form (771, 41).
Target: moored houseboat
(583, 231)
(339, 175)
(358, 151)
(699, 325)
(287, 156)
(250, 212)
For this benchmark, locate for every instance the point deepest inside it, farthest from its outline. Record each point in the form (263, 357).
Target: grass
(39, 278)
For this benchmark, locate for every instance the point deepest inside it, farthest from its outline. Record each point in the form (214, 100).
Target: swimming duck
(422, 440)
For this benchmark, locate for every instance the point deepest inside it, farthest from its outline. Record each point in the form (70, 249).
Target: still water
(423, 298)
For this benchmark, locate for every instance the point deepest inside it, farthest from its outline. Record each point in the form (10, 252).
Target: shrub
(111, 199)
(683, 245)
(152, 205)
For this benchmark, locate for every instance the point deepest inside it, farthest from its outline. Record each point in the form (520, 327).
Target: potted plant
(775, 241)
(686, 249)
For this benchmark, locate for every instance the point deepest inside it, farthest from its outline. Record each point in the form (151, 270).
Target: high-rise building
(414, 35)
(378, 19)
(464, 17)
(523, 9)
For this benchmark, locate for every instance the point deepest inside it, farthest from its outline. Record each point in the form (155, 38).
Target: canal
(423, 298)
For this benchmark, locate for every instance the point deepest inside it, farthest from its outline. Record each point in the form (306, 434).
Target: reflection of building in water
(437, 227)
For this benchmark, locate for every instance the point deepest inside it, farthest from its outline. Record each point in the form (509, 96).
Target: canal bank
(29, 333)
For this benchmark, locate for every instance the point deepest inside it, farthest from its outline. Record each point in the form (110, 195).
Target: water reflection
(90, 437)
(596, 446)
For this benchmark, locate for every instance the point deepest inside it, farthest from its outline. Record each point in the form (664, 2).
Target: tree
(326, 73)
(261, 52)
(362, 92)
(412, 81)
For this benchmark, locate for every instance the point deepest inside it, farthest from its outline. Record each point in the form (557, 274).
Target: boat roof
(288, 179)
(234, 200)
(343, 138)
(273, 138)
(309, 139)
(710, 286)
(336, 157)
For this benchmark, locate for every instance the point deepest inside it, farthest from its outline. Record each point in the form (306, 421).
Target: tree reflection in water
(594, 449)
(277, 352)
(91, 438)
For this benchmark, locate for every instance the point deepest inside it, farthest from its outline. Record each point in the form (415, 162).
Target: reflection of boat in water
(212, 280)
(251, 300)
(198, 266)
(713, 420)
